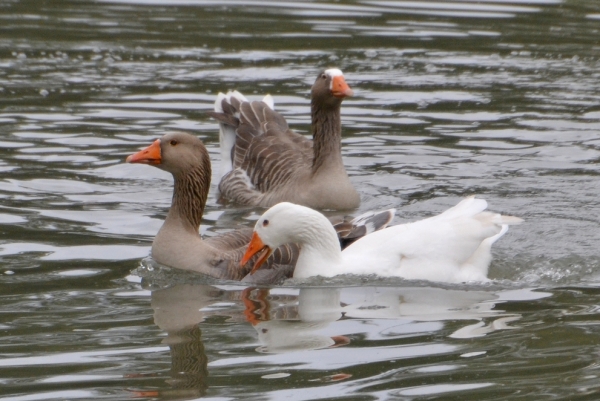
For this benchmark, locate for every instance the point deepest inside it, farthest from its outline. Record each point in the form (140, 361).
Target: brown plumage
(178, 243)
(266, 163)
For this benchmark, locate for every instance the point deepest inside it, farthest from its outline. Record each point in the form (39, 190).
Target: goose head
(330, 88)
(287, 223)
(273, 229)
(177, 153)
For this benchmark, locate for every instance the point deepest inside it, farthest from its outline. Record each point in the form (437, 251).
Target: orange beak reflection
(339, 87)
(150, 155)
(256, 246)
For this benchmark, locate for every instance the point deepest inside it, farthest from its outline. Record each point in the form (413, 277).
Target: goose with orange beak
(178, 243)
(264, 162)
(454, 246)
(256, 247)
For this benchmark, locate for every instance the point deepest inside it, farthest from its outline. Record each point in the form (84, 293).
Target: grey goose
(264, 162)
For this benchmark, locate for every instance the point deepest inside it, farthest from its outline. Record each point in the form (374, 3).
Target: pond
(499, 99)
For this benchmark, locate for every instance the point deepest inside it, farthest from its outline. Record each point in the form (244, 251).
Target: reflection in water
(177, 311)
(285, 327)
(189, 369)
(437, 305)
(289, 320)
(497, 98)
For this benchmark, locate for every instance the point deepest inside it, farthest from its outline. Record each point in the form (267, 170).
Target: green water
(499, 99)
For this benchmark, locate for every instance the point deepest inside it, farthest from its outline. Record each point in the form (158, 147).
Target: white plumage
(454, 246)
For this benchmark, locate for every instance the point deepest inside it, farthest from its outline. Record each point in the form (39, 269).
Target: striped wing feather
(266, 152)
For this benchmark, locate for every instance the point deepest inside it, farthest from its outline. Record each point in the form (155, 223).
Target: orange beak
(150, 155)
(256, 246)
(339, 87)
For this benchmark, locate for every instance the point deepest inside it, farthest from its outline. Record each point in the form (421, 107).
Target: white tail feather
(476, 267)
(219, 102)
(268, 100)
(236, 95)
(467, 207)
(227, 134)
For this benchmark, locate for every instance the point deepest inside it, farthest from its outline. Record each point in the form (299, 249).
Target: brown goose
(178, 243)
(266, 163)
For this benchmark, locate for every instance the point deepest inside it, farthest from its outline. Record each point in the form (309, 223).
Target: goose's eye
(265, 223)
(324, 76)
(173, 142)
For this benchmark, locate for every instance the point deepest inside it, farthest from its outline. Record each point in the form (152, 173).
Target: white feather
(269, 101)
(226, 137)
(454, 246)
(227, 134)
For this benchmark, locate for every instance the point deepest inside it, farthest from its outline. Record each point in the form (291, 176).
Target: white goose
(454, 246)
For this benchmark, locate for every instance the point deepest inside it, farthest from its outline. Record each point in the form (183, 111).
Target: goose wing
(232, 246)
(264, 154)
(349, 229)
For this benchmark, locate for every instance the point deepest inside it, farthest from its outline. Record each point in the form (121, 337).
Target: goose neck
(327, 135)
(189, 198)
(320, 252)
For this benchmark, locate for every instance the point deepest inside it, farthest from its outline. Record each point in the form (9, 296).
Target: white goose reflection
(289, 322)
(285, 327)
(305, 324)
(290, 319)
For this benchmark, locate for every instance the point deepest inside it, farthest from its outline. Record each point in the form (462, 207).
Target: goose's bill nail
(339, 87)
(256, 246)
(263, 255)
(150, 155)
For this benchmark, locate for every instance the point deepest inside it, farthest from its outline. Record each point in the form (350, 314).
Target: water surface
(493, 98)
